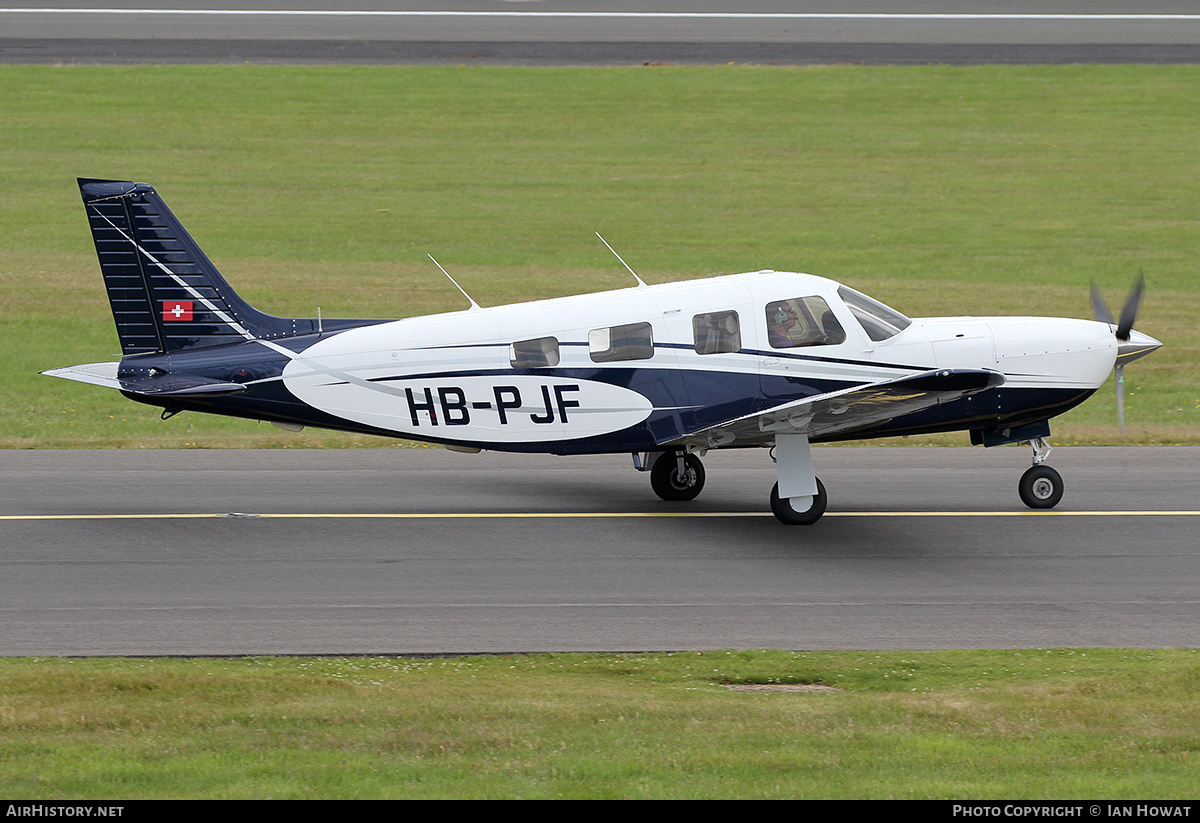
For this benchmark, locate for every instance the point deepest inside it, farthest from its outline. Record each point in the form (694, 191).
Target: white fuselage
(453, 377)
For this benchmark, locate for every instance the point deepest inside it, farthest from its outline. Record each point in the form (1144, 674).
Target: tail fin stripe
(222, 316)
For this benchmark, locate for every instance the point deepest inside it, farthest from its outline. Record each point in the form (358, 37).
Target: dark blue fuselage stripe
(688, 347)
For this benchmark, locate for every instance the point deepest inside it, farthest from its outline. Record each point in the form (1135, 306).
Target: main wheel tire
(1041, 487)
(783, 511)
(667, 482)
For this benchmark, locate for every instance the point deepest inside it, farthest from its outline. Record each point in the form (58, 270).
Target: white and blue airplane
(664, 373)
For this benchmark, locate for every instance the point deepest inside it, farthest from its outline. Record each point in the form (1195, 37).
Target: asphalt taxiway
(422, 551)
(613, 32)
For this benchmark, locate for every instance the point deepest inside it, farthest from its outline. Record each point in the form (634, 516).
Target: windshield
(879, 321)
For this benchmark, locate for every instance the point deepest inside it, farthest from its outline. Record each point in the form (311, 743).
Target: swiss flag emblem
(177, 310)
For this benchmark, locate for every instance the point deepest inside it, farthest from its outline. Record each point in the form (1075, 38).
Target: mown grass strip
(1025, 723)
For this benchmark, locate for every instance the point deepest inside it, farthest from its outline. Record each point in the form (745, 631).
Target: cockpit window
(879, 321)
(803, 321)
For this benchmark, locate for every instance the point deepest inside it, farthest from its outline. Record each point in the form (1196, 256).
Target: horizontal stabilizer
(158, 384)
(98, 374)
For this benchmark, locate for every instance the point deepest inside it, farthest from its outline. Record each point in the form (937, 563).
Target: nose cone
(1138, 345)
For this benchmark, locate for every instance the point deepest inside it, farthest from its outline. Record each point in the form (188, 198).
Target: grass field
(939, 189)
(1047, 724)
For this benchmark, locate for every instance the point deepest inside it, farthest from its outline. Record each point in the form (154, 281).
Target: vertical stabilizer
(165, 294)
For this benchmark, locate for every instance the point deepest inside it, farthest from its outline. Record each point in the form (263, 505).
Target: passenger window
(532, 354)
(632, 342)
(717, 332)
(803, 321)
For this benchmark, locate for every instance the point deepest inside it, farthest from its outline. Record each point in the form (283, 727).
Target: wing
(850, 409)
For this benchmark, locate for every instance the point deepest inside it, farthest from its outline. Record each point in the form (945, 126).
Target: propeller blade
(1129, 312)
(1100, 308)
(1127, 350)
(1121, 400)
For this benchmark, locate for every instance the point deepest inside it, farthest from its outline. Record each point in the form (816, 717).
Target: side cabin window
(717, 332)
(803, 321)
(533, 354)
(632, 342)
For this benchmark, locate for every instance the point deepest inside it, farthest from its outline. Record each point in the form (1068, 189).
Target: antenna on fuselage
(641, 283)
(474, 305)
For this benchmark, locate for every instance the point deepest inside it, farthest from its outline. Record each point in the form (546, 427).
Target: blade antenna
(474, 305)
(641, 283)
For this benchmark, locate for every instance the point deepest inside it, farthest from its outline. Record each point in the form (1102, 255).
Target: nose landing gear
(1041, 487)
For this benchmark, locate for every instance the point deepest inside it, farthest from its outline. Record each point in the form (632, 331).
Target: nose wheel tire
(1041, 487)
(669, 484)
(785, 513)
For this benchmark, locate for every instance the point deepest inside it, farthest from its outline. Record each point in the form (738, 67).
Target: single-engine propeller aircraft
(664, 373)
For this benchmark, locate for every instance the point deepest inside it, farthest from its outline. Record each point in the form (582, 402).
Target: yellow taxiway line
(568, 515)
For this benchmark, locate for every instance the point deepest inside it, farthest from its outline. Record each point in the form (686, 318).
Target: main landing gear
(1041, 486)
(788, 512)
(797, 499)
(677, 476)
